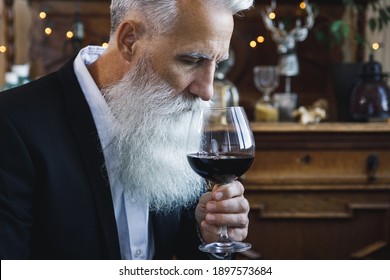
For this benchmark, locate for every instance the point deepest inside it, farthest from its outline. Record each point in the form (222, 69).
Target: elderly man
(92, 157)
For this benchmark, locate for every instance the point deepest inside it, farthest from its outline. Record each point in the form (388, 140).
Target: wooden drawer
(319, 167)
(320, 192)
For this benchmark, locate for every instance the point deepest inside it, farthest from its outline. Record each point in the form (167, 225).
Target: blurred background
(44, 34)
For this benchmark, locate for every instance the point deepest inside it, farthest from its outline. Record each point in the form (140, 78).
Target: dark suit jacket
(55, 200)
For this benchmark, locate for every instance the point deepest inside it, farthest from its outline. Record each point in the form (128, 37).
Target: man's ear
(127, 35)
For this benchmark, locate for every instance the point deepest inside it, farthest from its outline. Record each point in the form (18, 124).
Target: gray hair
(161, 14)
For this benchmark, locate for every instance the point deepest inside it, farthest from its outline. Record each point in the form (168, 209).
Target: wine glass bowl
(266, 78)
(220, 148)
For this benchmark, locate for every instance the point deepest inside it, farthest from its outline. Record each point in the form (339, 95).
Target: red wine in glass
(220, 169)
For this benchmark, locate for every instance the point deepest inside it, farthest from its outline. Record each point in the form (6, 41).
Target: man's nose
(202, 84)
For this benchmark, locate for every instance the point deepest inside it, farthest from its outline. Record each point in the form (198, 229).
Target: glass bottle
(370, 99)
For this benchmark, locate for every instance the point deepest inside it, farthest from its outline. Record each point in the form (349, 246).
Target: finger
(210, 228)
(230, 220)
(212, 232)
(233, 189)
(204, 199)
(232, 205)
(237, 234)
(200, 211)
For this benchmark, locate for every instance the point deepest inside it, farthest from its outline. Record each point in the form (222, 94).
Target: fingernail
(218, 195)
(210, 218)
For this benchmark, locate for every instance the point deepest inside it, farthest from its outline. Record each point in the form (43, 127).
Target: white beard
(149, 146)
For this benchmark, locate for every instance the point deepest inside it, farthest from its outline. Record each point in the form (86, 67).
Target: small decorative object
(313, 114)
(370, 99)
(266, 79)
(286, 39)
(286, 103)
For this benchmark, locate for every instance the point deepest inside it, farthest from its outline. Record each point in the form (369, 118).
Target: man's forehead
(202, 16)
(204, 36)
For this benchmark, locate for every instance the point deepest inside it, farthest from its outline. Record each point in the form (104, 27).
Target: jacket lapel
(86, 135)
(164, 229)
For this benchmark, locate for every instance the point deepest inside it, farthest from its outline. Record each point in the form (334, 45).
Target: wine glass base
(225, 247)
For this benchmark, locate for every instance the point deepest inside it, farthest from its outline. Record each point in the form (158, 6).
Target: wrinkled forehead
(202, 15)
(202, 24)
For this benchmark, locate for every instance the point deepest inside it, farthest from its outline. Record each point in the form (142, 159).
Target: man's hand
(225, 205)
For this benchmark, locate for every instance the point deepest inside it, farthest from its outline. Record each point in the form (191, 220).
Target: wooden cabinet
(320, 192)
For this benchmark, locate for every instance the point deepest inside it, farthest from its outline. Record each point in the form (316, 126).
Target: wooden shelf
(321, 127)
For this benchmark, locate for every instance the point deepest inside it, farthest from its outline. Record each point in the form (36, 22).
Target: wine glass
(266, 78)
(220, 148)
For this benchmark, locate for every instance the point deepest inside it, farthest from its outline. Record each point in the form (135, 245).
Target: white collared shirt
(132, 218)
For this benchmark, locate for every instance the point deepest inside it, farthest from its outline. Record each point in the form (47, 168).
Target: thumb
(200, 211)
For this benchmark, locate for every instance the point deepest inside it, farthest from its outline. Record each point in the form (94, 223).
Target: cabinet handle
(372, 167)
(306, 159)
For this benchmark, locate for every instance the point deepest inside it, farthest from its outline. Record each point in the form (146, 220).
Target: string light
(272, 15)
(42, 15)
(260, 39)
(376, 46)
(3, 49)
(69, 34)
(48, 31)
(302, 5)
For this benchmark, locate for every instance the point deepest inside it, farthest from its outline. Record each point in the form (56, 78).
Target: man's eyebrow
(202, 56)
(196, 55)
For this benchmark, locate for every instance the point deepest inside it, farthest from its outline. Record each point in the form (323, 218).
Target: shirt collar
(98, 105)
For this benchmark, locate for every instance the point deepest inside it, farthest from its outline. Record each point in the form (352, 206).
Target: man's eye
(193, 62)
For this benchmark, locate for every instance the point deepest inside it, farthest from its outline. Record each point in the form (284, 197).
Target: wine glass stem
(224, 237)
(267, 96)
(288, 84)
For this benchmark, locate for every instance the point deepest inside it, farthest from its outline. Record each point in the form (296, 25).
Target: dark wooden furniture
(320, 191)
